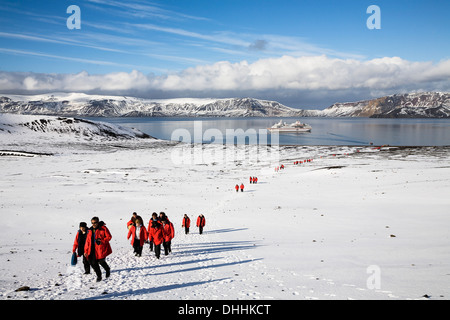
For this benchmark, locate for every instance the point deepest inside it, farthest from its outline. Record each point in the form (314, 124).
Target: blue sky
(217, 48)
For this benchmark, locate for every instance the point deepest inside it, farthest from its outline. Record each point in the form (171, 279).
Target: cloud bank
(315, 81)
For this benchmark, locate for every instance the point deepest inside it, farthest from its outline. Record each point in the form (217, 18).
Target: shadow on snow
(143, 291)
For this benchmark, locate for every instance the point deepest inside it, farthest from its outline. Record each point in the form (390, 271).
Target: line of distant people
(93, 243)
(160, 231)
(252, 180)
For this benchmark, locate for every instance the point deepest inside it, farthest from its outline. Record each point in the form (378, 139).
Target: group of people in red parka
(302, 162)
(253, 180)
(186, 223)
(93, 243)
(160, 231)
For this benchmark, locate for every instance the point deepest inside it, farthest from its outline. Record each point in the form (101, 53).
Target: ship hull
(289, 130)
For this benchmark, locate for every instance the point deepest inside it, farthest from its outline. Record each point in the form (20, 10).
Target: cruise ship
(283, 127)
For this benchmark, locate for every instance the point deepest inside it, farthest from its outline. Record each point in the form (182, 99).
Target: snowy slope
(320, 230)
(49, 126)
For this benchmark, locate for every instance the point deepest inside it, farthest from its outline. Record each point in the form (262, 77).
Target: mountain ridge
(410, 105)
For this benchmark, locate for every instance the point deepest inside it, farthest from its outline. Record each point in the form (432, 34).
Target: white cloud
(307, 73)
(280, 78)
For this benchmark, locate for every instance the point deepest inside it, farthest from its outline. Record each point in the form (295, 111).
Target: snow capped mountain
(73, 104)
(413, 105)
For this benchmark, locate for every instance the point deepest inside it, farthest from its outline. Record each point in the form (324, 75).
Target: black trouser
(151, 245)
(157, 250)
(137, 247)
(186, 229)
(167, 248)
(96, 266)
(200, 230)
(87, 265)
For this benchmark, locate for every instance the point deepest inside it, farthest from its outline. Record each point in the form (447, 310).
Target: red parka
(150, 222)
(156, 235)
(79, 244)
(102, 236)
(186, 222)
(201, 221)
(172, 230)
(168, 231)
(142, 236)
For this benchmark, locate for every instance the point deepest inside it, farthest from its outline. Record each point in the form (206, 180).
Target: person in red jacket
(201, 223)
(237, 188)
(242, 187)
(78, 246)
(154, 218)
(171, 231)
(168, 234)
(186, 223)
(138, 235)
(97, 247)
(156, 236)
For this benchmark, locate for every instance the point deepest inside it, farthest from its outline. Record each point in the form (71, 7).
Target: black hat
(83, 224)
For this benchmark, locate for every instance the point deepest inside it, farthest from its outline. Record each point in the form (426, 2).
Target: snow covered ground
(355, 223)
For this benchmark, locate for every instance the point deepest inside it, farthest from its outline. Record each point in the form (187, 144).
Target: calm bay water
(325, 131)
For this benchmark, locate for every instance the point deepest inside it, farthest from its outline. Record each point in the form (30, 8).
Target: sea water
(325, 131)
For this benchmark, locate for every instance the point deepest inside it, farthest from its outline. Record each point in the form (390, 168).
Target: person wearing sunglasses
(97, 247)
